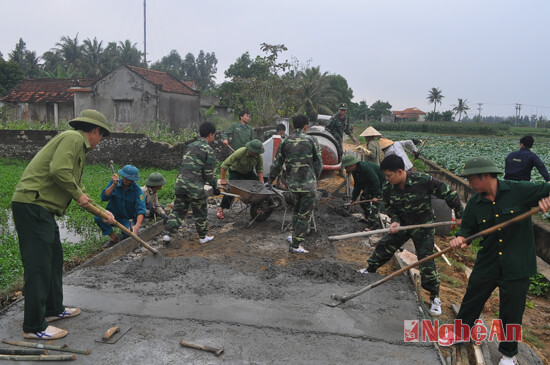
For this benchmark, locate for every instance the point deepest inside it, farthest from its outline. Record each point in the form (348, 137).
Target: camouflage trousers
(423, 243)
(371, 210)
(181, 205)
(301, 214)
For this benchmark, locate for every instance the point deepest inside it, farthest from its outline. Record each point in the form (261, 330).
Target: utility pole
(518, 113)
(145, 32)
(479, 109)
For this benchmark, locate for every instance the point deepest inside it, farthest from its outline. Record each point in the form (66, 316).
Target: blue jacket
(125, 203)
(520, 163)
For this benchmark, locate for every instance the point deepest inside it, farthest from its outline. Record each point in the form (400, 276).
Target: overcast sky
(491, 52)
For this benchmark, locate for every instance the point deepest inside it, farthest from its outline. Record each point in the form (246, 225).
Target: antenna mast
(145, 32)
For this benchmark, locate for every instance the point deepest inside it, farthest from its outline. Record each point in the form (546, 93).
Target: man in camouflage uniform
(302, 157)
(367, 181)
(407, 201)
(198, 168)
(153, 209)
(240, 133)
(280, 130)
(338, 125)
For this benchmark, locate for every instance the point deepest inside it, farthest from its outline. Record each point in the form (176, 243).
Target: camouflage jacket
(412, 205)
(337, 127)
(197, 168)
(367, 176)
(302, 157)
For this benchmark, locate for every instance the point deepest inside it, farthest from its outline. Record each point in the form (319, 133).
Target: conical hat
(385, 143)
(370, 132)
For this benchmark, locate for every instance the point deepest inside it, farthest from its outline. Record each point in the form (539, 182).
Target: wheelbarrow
(261, 200)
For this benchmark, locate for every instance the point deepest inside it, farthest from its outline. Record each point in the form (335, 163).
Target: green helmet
(90, 116)
(480, 165)
(255, 146)
(155, 179)
(349, 160)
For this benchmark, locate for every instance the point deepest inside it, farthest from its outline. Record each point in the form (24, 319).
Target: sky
(493, 52)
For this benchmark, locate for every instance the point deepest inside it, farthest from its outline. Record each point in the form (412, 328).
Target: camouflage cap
(480, 165)
(349, 160)
(90, 116)
(130, 172)
(343, 106)
(255, 146)
(155, 179)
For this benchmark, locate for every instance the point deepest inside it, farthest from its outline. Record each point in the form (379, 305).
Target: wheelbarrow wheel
(261, 211)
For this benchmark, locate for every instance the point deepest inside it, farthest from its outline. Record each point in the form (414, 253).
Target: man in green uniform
(198, 168)
(153, 184)
(367, 181)
(407, 201)
(241, 165)
(338, 125)
(48, 185)
(280, 130)
(302, 157)
(241, 132)
(508, 256)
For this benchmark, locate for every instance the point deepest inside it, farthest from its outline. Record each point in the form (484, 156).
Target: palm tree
(435, 97)
(129, 54)
(315, 89)
(71, 52)
(461, 107)
(93, 55)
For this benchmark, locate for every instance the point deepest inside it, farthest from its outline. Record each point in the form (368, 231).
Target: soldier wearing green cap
(338, 125)
(241, 165)
(153, 209)
(507, 258)
(367, 181)
(49, 183)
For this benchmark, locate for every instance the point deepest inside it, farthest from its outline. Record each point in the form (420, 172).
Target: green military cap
(90, 116)
(255, 146)
(155, 179)
(343, 106)
(349, 160)
(480, 165)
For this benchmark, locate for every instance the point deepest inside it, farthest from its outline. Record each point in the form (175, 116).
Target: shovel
(340, 299)
(155, 259)
(384, 230)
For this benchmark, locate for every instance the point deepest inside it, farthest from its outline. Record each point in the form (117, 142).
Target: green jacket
(338, 126)
(54, 176)
(302, 157)
(197, 168)
(509, 253)
(412, 205)
(240, 135)
(241, 161)
(367, 176)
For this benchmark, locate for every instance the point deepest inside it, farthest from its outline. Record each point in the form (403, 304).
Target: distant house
(137, 96)
(409, 114)
(44, 99)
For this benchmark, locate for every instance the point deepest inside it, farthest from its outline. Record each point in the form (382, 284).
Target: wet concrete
(243, 292)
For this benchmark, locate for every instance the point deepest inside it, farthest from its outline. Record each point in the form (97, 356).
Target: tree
(93, 57)
(314, 92)
(461, 107)
(378, 109)
(434, 97)
(206, 68)
(339, 85)
(25, 59)
(129, 54)
(358, 111)
(10, 75)
(70, 51)
(171, 64)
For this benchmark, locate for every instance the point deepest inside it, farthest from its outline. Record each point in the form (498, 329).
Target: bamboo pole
(63, 348)
(38, 357)
(384, 230)
(23, 352)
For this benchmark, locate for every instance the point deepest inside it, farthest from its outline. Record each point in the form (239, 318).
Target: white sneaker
(363, 271)
(289, 239)
(300, 249)
(67, 313)
(166, 238)
(505, 360)
(205, 239)
(50, 333)
(435, 310)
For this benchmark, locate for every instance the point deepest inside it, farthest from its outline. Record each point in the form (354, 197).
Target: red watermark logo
(450, 333)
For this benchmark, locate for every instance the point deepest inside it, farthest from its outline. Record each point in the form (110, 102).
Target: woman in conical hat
(373, 152)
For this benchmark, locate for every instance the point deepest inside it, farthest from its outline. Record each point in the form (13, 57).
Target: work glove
(216, 191)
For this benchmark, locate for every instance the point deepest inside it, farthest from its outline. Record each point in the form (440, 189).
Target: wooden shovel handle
(101, 214)
(213, 350)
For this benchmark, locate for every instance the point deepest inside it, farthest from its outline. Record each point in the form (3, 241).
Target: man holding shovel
(407, 201)
(51, 180)
(507, 257)
(367, 181)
